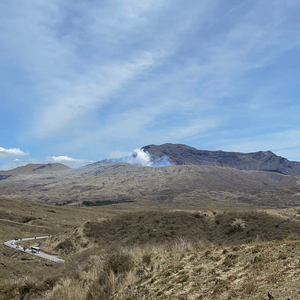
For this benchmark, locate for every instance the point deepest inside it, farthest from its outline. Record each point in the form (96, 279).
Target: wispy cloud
(68, 161)
(119, 154)
(193, 129)
(278, 141)
(93, 92)
(4, 153)
(100, 74)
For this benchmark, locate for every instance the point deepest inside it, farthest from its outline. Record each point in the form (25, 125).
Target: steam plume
(143, 158)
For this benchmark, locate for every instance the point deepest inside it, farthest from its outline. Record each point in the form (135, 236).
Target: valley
(134, 232)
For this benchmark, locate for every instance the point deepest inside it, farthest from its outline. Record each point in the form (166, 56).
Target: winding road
(14, 244)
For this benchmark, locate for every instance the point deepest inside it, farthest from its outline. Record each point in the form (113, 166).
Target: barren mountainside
(198, 179)
(181, 154)
(34, 169)
(185, 186)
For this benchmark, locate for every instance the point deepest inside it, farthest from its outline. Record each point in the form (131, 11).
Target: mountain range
(196, 179)
(180, 154)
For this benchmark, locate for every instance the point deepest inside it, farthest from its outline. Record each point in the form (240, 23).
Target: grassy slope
(26, 219)
(181, 271)
(183, 264)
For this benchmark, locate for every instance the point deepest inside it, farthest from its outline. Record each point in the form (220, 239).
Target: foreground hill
(178, 186)
(263, 160)
(160, 255)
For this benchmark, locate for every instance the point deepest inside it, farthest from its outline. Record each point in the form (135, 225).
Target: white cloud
(68, 161)
(89, 92)
(120, 70)
(12, 152)
(83, 83)
(62, 158)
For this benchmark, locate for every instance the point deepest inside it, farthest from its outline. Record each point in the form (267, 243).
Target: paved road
(14, 244)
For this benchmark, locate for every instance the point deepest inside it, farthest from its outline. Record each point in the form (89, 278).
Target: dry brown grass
(182, 268)
(40, 219)
(164, 272)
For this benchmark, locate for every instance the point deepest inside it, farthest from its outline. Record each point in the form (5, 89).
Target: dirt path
(14, 244)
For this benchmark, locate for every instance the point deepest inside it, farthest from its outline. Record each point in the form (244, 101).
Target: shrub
(119, 262)
(28, 288)
(65, 245)
(100, 290)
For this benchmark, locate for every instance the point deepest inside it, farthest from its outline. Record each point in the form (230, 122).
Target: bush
(101, 289)
(28, 288)
(119, 262)
(66, 245)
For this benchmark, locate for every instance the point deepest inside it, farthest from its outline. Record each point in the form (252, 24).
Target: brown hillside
(187, 186)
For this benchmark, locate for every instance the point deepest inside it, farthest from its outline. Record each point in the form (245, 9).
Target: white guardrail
(34, 250)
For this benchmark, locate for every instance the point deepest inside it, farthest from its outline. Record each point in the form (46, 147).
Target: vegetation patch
(223, 255)
(105, 202)
(228, 228)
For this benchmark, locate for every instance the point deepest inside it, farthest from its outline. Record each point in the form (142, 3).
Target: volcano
(180, 154)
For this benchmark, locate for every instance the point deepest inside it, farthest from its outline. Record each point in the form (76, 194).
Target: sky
(81, 81)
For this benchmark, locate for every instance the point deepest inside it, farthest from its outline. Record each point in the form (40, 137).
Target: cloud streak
(68, 161)
(132, 73)
(285, 143)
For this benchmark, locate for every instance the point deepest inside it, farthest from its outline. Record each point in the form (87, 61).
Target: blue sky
(81, 81)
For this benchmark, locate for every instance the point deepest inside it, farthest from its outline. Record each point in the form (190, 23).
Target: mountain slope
(181, 154)
(33, 169)
(173, 186)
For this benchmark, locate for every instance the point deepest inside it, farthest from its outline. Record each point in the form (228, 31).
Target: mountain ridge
(33, 169)
(180, 154)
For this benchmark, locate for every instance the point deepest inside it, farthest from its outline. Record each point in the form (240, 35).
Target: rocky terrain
(263, 160)
(198, 179)
(178, 186)
(206, 230)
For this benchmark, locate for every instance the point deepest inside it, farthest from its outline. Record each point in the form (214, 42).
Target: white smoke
(143, 158)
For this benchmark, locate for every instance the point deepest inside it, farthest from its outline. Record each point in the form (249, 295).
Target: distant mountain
(33, 169)
(111, 160)
(181, 154)
(171, 187)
